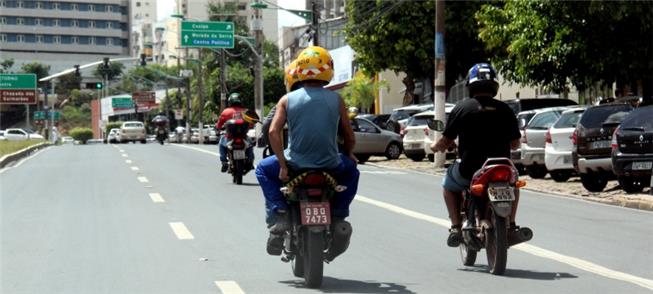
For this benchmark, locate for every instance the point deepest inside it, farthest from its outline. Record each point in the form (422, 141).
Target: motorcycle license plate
(642, 165)
(239, 154)
(315, 213)
(501, 193)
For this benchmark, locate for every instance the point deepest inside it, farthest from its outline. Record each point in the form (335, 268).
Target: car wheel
(362, 158)
(431, 157)
(560, 176)
(142, 141)
(631, 185)
(417, 157)
(594, 182)
(393, 151)
(536, 171)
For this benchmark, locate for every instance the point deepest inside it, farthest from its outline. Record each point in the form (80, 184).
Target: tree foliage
(548, 43)
(39, 69)
(115, 70)
(6, 65)
(359, 91)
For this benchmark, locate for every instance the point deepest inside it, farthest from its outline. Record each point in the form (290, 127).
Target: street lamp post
(257, 27)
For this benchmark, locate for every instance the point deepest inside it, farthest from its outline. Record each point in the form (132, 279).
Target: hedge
(81, 134)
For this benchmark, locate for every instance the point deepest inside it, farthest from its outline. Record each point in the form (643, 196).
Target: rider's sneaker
(275, 244)
(225, 167)
(455, 236)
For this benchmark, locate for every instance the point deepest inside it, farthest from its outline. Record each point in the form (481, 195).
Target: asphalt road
(139, 218)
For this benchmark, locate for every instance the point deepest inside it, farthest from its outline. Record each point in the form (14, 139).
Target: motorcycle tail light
(238, 140)
(520, 183)
(477, 189)
(501, 175)
(314, 179)
(314, 192)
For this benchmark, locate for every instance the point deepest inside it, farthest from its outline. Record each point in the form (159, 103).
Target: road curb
(636, 201)
(18, 155)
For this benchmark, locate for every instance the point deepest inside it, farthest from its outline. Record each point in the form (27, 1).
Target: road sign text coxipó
(211, 34)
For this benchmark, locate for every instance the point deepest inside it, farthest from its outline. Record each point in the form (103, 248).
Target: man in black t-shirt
(485, 128)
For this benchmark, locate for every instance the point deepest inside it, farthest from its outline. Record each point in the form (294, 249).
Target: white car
(558, 146)
(132, 131)
(67, 140)
(21, 134)
(417, 136)
(112, 137)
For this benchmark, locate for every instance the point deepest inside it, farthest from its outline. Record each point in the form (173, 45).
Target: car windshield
(421, 120)
(400, 114)
(133, 125)
(641, 118)
(568, 120)
(596, 116)
(524, 118)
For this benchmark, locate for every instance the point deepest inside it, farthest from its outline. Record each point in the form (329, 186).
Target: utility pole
(201, 92)
(316, 34)
(257, 27)
(440, 85)
(223, 81)
(187, 100)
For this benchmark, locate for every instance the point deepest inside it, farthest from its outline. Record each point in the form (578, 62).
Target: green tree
(39, 69)
(359, 92)
(73, 117)
(66, 84)
(6, 65)
(551, 43)
(115, 70)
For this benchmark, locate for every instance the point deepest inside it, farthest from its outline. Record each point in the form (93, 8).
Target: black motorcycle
(237, 145)
(161, 134)
(313, 237)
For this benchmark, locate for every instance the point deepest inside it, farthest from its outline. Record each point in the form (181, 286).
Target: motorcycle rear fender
(502, 208)
(316, 229)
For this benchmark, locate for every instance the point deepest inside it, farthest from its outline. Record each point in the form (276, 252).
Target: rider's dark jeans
(223, 150)
(267, 173)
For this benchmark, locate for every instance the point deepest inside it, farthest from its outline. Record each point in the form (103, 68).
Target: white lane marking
(156, 198)
(527, 248)
(124, 155)
(181, 231)
(197, 149)
(143, 180)
(121, 151)
(19, 163)
(134, 168)
(382, 172)
(229, 287)
(128, 161)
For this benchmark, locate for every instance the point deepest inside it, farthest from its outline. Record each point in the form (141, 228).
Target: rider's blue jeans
(267, 173)
(223, 150)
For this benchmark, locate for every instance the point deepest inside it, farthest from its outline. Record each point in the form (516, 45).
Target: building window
(110, 41)
(3, 38)
(84, 7)
(46, 22)
(37, 21)
(65, 6)
(91, 24)
(29, 21)
(29, 4)
(138, 4)
(74, 23)
(66, 39)
(30, 38)
(39, 38)
(83, 23)
(56, 39)
(11, 20)
(147, 15)
(100, 41)
(65, 22)
(48, 39)
(242, 6)
(100, 7)
(75, 6)
(20, 38)
(39, 5)
(101, 24)
(47, 5)
(117, 41)
(55, 5)
(20, 21)
(55, 22)
(3, 20)
(84, 40)
(11, 4)
(12, 38)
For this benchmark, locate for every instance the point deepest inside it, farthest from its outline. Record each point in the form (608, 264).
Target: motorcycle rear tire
(237, 172)
(496, 245)
(313, 259)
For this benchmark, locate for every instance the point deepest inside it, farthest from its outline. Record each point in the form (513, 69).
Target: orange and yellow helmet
(291, 75)
(314, 63)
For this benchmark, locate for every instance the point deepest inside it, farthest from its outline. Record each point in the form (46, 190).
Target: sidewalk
(612, 194)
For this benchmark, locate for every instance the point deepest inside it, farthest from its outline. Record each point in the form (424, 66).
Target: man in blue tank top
(313, 115)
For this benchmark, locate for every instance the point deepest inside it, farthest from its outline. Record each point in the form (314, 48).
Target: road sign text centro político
(208, 34)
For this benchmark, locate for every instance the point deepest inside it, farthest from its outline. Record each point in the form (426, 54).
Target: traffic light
(77, 74)
(105, 66)
(143, 60)
(99, 86)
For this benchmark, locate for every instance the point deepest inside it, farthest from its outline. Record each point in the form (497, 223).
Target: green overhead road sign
(122, 102)
(17, 81)
(207, 34)
(40, 115)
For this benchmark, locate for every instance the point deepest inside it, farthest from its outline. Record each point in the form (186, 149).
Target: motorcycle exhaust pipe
(522, 235)
(341, 235)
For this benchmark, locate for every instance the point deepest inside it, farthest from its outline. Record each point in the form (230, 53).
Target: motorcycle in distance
(485, 212)
(313, 238)
(161, 130)
(235, 131)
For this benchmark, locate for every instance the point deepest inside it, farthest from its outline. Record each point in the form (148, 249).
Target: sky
(167, 7)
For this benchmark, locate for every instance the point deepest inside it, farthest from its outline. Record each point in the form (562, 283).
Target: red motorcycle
(485, 212)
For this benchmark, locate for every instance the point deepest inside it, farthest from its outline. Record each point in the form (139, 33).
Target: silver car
(534, 139)
(372, 140)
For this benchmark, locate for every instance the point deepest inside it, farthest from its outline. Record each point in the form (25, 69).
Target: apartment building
(64, 33)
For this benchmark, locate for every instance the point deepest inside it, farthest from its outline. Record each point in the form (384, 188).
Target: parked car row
(599, 143)
(16, 134)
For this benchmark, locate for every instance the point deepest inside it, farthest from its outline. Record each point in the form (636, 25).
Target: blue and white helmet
(482, 78)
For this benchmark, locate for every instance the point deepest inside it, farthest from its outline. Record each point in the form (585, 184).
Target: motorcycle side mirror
(436, 125)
